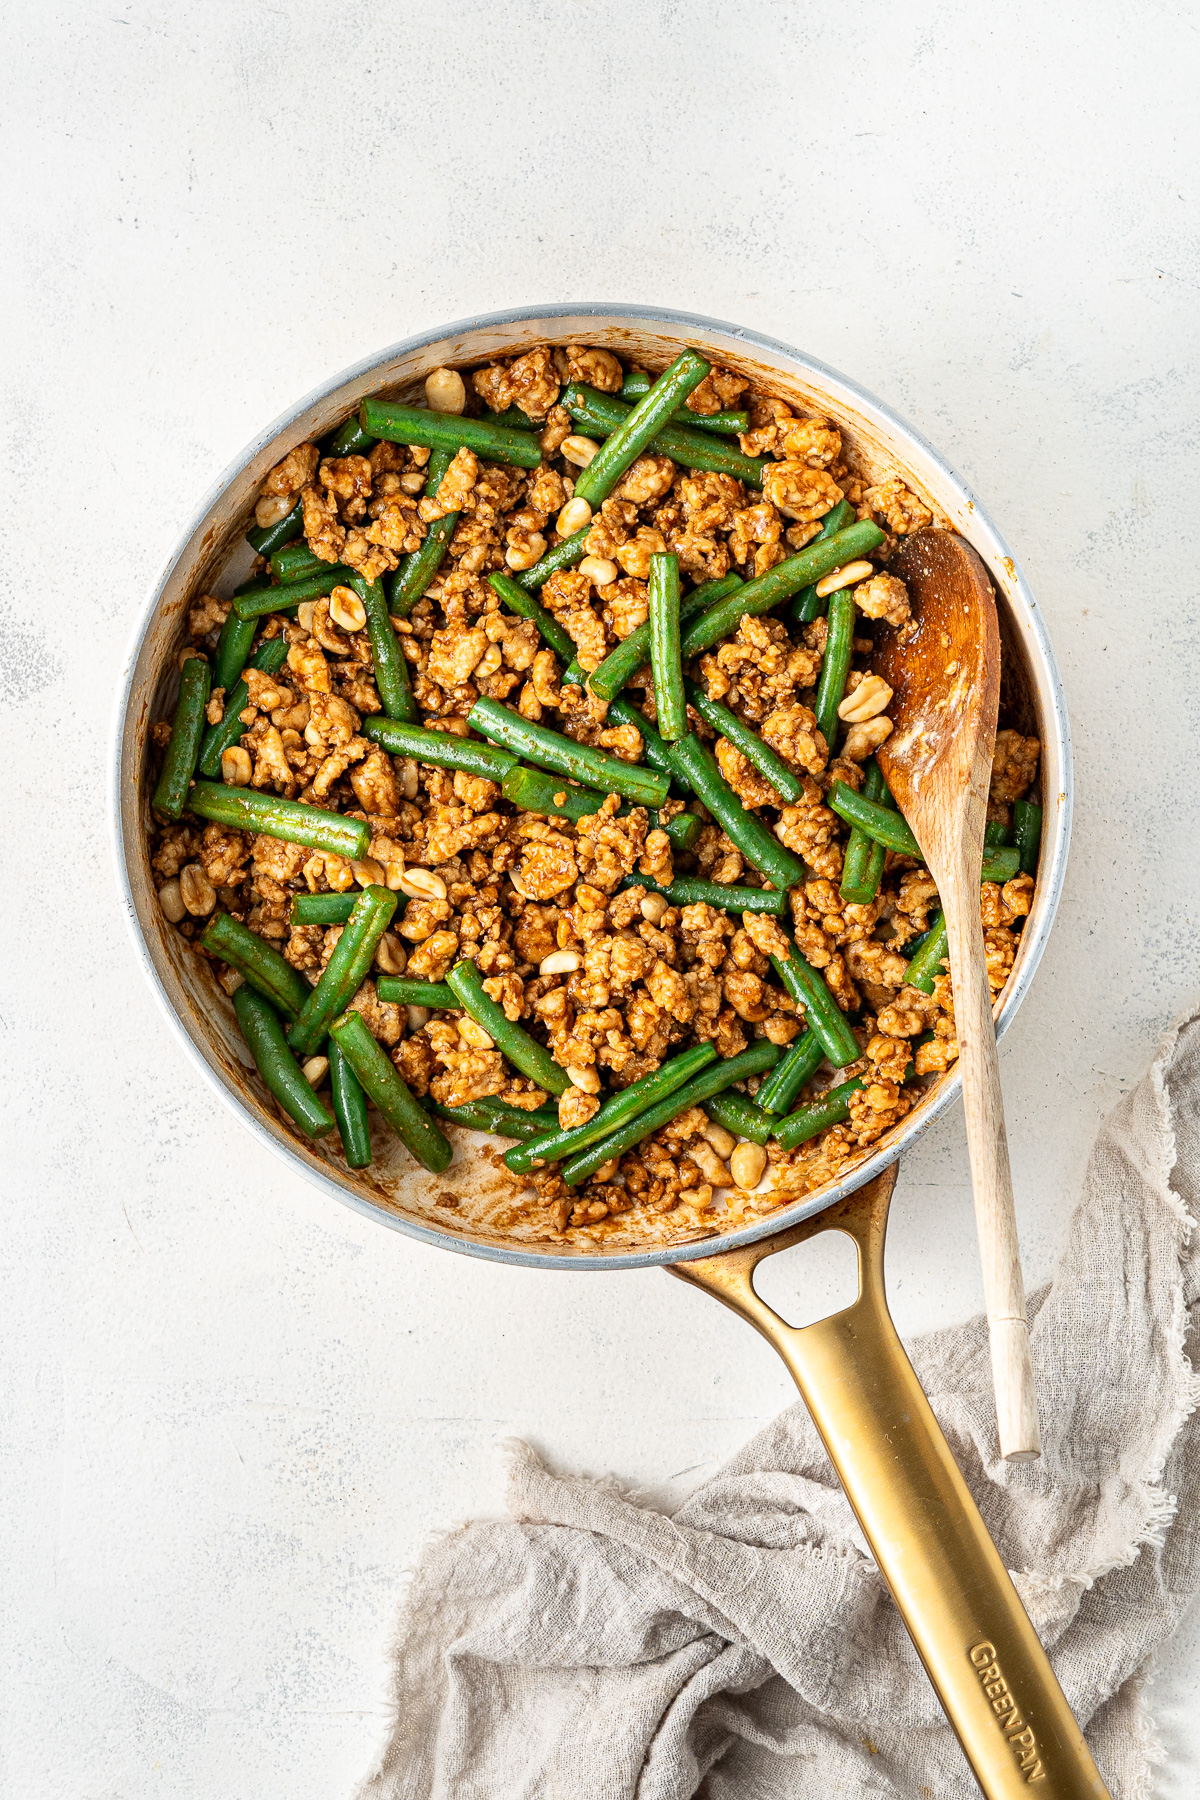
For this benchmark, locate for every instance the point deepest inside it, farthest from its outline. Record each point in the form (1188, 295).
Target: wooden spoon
(944, 669)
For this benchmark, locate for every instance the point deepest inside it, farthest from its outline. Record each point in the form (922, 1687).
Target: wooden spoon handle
(991, 1176)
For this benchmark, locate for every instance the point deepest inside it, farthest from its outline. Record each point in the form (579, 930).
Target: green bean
(321, 909)
(499, 1119)
(800, 1062)
(391, 666)
(563, 556)
(702, 1087)
(261, 597)
(753, 837)
(799, 1126)
(633, 652)
(171, 795)
(257, 961)
(639, 425)
(823, 1015)
(1001, 865)
(244, 809)
(839, 648)
(664, 646)
(531, 790)
(265, 539)
(686, 891)
(654, 750)
(925, 967)
(604, 416)
(514, 418)
(520, 601)
(510, 1039)
(346, 969)
(784, 780)
(879, 823)
(399, 991)
(995, 835)
(550, 750)
(419, 567)
(449, 431)
(263, 1032)
(862, 866)
(683, 830)
(741, 1116)
(383, 1084)
(637, 383)
(808, 604)
(350, 439)
(559, 1145)
(270, 658)
(443, 749)
(1027, 834)
(295, 562)
(349, 1109)
(778, 584)
(233, 648)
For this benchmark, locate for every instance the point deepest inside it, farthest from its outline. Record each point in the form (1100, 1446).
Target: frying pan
(916, 1513)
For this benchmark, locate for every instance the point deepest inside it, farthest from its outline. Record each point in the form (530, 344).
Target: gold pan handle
(916, 1512)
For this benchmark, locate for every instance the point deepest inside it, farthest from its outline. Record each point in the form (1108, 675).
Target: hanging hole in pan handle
(811, 1281)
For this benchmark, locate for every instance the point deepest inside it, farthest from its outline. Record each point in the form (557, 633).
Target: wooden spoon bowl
(944, 669)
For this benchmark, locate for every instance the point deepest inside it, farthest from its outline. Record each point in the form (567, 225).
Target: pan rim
(1056, 720)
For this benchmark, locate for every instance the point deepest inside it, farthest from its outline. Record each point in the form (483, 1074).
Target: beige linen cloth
(746, 1649)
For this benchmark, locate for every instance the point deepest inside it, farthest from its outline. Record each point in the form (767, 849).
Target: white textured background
(234, 1410)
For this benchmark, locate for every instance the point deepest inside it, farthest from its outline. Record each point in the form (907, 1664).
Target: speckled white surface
(233, 1409)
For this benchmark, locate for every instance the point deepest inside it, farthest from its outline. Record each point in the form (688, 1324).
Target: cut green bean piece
(346, 969)
(633, 652)
(295, 562)
(449, 431)
(532, 790)
(995, 834)
(245, 809)
(269, 658)
(264, 540)
(261, 1027)
(808, 604)
(322, 909)
(443, 749)
(563, 556)
(187, 729)
(233, 648)
(391, 666)
(925, 967)
(382, 1083)
(261, 597)
(779, 584)
(823, 1015)
(604, 416)
(1027, 834)
(520, 601)
(637, 383)
(399, 990)
(559, 1145)
(510, 1039)
(799, 1064)
(839, 648)
(785, 781)
(683, 830)
(419, 567)
(741, 1116)
(639, 425)
(664, 646)
(257, 962)
(1001, 865)
(499, 1119)
(350, 439)
(878, 822)
(514, 418)
(685, 891)
(349, 1109)
(713, 1080)
(753, 837)
(799, 1126)
(562, 755)
(862, 866)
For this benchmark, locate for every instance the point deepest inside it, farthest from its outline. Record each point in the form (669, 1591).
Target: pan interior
(471, 1207)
